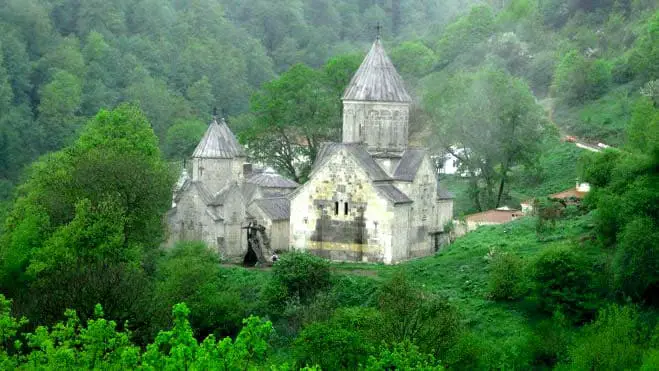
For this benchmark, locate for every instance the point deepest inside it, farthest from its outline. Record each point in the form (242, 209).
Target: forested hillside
(586, 63)
(64, 60)
(100, 100)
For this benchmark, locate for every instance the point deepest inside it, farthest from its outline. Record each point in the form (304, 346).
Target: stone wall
(234, 213)
(217, 173)
(382, 126)
(219, 227)
(186, 223)
(279, 235)
(424, 212)
(445, 212)
(401, 247)
(339, 215)
(278, 231)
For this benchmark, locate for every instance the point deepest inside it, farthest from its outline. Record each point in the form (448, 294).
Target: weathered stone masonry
(371, 198)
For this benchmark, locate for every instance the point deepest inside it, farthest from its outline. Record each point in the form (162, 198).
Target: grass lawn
(460, 273)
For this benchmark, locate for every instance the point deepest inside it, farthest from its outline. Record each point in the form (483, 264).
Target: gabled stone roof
(250, 191)
(268, 179)
(358, 152)
(218, 142)
(393, 194)
(278, 208)
(377, 79)
(409, 164)
(221, 196)
(443, 194)
(203, 192)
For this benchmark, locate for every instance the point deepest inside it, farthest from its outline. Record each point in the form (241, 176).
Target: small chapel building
(225, 196)
(372, 197)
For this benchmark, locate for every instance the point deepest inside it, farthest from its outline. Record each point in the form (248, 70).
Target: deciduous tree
(494, 118)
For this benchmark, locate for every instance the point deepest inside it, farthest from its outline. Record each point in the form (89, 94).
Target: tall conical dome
(377, 79)
(376, 105)
(218, 159)
(218, 142)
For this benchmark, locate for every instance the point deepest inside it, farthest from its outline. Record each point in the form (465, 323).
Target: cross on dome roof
(377, 79)
(218, 142)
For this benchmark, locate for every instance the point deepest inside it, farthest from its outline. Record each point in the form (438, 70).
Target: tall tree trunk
(501, 185)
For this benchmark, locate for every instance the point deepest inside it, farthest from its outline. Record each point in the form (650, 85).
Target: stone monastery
(371, 198)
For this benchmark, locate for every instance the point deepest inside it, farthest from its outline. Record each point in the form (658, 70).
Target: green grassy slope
(460, 271)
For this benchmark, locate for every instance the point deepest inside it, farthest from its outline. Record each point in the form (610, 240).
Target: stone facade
(277, 229)
(371, 198)
(222, 198)
(342, 215)
(382, 126)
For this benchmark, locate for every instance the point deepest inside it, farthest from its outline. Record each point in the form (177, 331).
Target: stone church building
(369, 198)
(224, 196)
(372, 197)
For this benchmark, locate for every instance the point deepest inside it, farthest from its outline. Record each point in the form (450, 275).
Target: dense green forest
(98, 100)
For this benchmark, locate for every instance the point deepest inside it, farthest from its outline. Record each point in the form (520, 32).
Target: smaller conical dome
(218, 142)
(377, 79)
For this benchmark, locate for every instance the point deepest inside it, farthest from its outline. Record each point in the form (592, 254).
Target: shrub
(548, 212)
(403, 356)
(612, 342)
(551, 341)
(353, 290)
(466, 353)
(191, 272)
(622, 72)
(563, 283)
(512, 352)
(298, 277)
(507, 277)
(578, 79)
(650, 360)
(408, 313)
(363, 320)
(98, 344)
(331, 347)
(637, 260)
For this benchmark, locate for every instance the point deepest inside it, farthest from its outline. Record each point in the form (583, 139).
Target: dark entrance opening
(257, 244)
(250, 258)
(437, 241)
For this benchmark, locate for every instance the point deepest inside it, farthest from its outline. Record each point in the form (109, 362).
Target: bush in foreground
(615, 341)
(297, 275)
(507, 277)
(563, 282)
